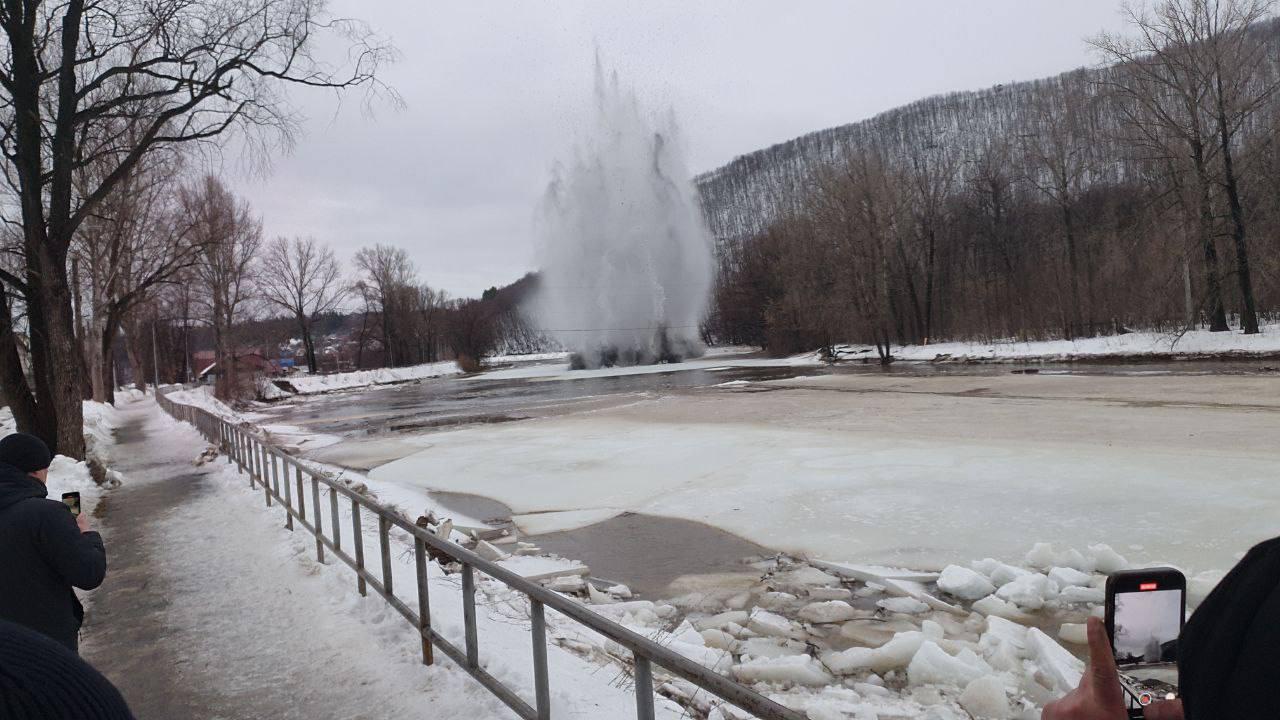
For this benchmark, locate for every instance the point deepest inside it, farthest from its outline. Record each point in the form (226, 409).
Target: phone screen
(1147, 625)
(72, 499)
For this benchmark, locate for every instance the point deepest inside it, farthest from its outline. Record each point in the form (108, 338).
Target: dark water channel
(438, 403)
(647, 553)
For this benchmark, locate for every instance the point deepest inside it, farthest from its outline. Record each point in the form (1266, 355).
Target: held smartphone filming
(1145, 613)
(72, 499)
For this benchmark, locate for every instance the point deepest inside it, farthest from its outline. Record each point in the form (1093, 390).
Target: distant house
(248, 360)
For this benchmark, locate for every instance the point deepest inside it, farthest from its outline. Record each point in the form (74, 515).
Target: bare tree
(1060, 165)
(1193, 76)
(302, 278)
(185, 71)
(136, 242)
(229, 237)
(391, 281)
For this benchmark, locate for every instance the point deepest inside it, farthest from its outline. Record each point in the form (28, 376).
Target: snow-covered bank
(303, 384)
(579, 686)
(311, 384)
(1135, 345)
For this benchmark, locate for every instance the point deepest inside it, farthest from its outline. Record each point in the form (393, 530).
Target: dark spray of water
(624, 250)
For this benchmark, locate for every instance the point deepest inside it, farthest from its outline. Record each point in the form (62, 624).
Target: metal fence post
(288, 496)
(275, 473)
(357, 536)
(384, 543)
(644, 688)
(469, 615)
(541, 686)
(302, 498)
(333, 513)
(315, 497)
(424, 599)
(266, 474)
(252, 461)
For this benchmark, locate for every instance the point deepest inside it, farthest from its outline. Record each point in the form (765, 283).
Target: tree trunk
(1073, 263)
(63, 363)
(1248, 309)
(308, 344)
(13, 381)
(1213, 283)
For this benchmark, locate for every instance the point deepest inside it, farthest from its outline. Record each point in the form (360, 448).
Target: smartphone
(72, 499)
(1145, 613)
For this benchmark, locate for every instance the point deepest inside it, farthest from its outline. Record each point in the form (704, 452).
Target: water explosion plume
(624, 250)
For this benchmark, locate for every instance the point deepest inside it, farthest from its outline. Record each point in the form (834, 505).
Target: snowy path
(208, 612)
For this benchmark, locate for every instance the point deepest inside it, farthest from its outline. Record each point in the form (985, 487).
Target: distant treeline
(1143, 193)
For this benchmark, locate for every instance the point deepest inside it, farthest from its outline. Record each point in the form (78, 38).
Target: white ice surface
(886, 499)
(546, 522)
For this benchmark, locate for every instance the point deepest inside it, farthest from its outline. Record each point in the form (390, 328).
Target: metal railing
(286, 482)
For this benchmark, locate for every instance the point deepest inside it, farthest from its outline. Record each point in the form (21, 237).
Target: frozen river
(920, 466)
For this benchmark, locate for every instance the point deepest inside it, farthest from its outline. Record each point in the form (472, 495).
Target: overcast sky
(495, 89)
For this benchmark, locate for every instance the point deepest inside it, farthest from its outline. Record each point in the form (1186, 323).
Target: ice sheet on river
(882, 499)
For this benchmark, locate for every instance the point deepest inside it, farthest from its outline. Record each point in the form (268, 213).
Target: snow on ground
(310, 384)
(1155, 344)
(580, 687)
(310, 619)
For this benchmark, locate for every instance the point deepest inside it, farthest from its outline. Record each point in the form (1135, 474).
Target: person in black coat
(42, 680)
(44, 549)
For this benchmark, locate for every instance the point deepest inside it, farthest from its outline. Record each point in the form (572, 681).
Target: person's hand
(1099, 696)
(82, 522)
(1164, 710)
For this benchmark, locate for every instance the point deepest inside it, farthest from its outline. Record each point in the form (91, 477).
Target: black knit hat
(26, 452)
(42, 680)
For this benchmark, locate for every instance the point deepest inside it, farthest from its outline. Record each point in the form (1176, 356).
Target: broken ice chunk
(787, 670)
(719, 639)
(1065, 576)
(1054, 660)
(767, 623)
(487, 551)
(964, 583)
(770, 647)
(931, 665)
(1074, 633)
(1105, 560)
(1043, 557)
(801, 578)
(720, 621)
(1004, 574)
(994, 606)
(1029, 591)
(830, 611)
(896, 653)
(567, 584)
(904, 605)
(1075, 594)
(818, 594)
(985, 697)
